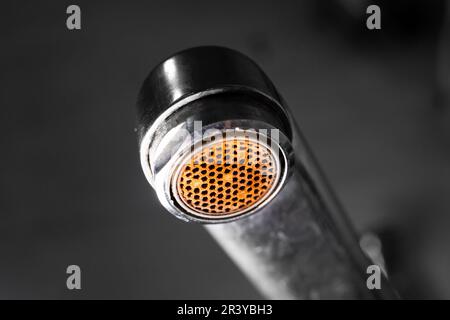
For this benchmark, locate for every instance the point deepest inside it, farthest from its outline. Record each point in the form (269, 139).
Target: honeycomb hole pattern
(226, 177)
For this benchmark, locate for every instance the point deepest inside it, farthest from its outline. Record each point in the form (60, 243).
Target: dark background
(371, 103)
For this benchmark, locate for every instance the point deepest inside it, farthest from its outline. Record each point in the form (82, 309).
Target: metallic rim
(281, 166)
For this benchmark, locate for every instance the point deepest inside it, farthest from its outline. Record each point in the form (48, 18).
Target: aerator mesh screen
(227, 177)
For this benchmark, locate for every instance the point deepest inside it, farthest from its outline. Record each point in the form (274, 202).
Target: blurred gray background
(371, 103)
